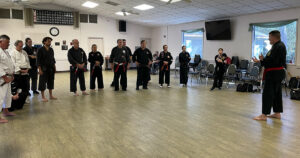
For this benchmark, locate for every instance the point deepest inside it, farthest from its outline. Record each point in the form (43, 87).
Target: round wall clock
(54, 31)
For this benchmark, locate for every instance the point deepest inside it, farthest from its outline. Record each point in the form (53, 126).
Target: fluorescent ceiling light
(122, 13)
(173, 1)
(143, 7)
(90, 4)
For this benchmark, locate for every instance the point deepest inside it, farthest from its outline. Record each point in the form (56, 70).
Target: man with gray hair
(21, 75)
(78, 60)
(6, 75)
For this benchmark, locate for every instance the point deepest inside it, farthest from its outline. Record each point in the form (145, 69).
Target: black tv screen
(218, 30)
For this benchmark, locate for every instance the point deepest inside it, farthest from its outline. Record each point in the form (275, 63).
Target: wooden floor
(190, 122)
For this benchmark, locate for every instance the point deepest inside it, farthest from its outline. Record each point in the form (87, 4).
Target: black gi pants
(120, 70)
(76, 73)
(47, 80)
(96, 72)
(272, 94)
(218, 78)
(143, 76)
(33, 74)
(164, 72)
(184, 70)
(19, 81)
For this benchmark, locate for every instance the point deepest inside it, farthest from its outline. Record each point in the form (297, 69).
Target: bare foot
(85, 93)
(76, 94)
(3, 120)
(44, 100)
(260, 118)
(53, 98)
(8, 114)
(276, 116)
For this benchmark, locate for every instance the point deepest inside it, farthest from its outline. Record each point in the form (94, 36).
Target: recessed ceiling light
(90, 4)
(143, 7)
(122, 13)
(173, 1)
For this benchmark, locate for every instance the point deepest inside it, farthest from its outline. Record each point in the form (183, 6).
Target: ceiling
(175, 13)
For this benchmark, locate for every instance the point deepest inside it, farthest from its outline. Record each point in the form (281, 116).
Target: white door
(100, 46)
(98, 41)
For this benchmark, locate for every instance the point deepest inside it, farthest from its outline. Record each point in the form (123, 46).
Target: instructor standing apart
(274, 63)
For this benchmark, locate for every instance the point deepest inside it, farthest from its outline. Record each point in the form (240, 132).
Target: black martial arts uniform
(19, 83)
(219, 71)
(143, 57)
(33, 72)
(164, 69)
(46, 60)
(130, 54)
(96, 70)
(184, 60)
(120, 58)
(274, 73)
(76, 56)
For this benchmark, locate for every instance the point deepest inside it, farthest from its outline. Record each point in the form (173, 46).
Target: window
(193, 40)
(53, 17)
(261, 44)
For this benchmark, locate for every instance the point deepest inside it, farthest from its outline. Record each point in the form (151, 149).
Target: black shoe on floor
(212, 88)
(145, 87)
(124, 89)
(36, 92)
(219, 88)
(137, 88)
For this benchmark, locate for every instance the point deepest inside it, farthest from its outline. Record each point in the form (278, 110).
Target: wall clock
(54, 31)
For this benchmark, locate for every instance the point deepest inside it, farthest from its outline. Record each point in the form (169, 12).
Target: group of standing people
(20, 65)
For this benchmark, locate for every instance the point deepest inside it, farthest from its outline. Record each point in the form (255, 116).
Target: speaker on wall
(122, 26)
(28, 16)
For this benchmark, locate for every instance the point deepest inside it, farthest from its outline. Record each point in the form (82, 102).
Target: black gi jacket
(220, 67)
(93, 57)
(119, 55)
(45, 59)
(77, 56)
(30, 51)
(276, 57)
(128, 50)
(142, 56)
(184, 59)
(165, 56)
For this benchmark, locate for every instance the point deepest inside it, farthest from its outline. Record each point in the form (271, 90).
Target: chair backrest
(177, 64)
(211, 68)
(254, 72)
(204, 63)
(244, 64)
(197, 59)
(235, 60)
(231, 70)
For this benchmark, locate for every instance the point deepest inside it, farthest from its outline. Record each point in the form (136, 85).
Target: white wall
(106, 29)
(240, 44)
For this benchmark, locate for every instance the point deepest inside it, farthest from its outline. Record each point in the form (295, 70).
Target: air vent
(112, 3)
